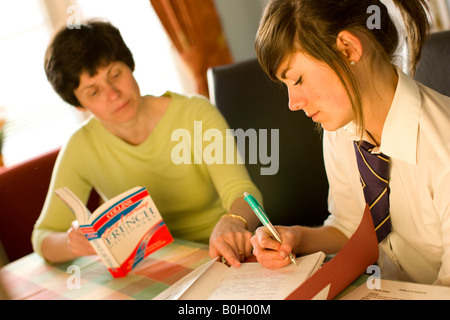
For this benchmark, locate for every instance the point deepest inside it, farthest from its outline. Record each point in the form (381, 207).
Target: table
(86, 278)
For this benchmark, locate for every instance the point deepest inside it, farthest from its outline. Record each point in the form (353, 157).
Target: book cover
(123, 230)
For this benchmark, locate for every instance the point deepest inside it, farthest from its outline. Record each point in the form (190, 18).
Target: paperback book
(124, 230)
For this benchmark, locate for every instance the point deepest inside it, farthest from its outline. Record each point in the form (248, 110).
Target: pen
(260, 213)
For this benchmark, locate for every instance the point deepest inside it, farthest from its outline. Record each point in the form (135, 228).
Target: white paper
(397, 290)
(176, 290)
(251, 281)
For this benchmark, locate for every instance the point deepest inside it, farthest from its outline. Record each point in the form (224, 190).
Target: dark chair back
(297, 192)
(434, 66)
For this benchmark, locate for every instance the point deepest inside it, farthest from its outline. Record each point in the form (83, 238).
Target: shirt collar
(400, 131)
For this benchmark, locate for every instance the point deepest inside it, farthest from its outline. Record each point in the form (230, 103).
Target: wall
(240, 20)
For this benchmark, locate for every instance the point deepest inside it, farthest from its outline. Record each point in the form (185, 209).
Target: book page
(252, 281)
(397, 290)
(193, 281)
(78, 208)
(201, 289)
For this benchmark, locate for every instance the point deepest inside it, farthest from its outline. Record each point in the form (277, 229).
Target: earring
(353, 63)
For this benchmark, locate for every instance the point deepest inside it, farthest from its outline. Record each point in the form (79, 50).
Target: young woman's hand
(269, 252)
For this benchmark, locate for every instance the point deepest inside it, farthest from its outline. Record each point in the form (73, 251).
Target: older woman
(128, 142)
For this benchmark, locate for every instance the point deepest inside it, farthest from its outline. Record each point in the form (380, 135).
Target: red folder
(360, 251)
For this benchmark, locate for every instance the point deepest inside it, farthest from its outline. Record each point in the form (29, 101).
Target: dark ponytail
(415, 17)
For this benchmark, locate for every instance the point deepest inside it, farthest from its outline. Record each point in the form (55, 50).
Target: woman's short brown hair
(74, 51)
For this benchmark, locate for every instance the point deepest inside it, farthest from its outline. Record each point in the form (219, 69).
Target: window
(37, 120)
(33, 112)
(156, 71)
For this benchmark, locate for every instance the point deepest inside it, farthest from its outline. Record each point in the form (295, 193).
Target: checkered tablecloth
(87, 278)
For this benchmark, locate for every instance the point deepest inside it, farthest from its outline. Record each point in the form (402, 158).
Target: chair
(297, 193)
(434, 66)
(23, 189)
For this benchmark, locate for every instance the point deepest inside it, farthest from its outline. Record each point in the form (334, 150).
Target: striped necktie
(374, 174)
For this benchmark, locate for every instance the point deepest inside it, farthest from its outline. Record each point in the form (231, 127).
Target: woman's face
(112, 95)
(314, 88)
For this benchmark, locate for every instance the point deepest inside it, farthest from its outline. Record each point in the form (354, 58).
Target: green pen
(261, 214)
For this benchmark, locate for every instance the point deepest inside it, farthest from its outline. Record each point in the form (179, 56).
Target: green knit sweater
(190, 197)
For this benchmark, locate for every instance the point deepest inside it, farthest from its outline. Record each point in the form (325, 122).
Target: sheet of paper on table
(397, 290)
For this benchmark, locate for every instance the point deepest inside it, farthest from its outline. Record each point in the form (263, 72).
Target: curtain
(194, 28)
(2, 135)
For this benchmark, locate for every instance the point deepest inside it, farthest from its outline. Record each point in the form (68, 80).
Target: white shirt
(416, 136)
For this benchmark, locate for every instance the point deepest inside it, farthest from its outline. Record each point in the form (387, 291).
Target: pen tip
(245, 194)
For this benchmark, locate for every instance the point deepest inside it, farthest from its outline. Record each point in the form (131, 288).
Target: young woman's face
(315, 88)
(112, 95)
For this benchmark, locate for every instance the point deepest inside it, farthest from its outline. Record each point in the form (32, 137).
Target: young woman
(128, 142)
(341, 72)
